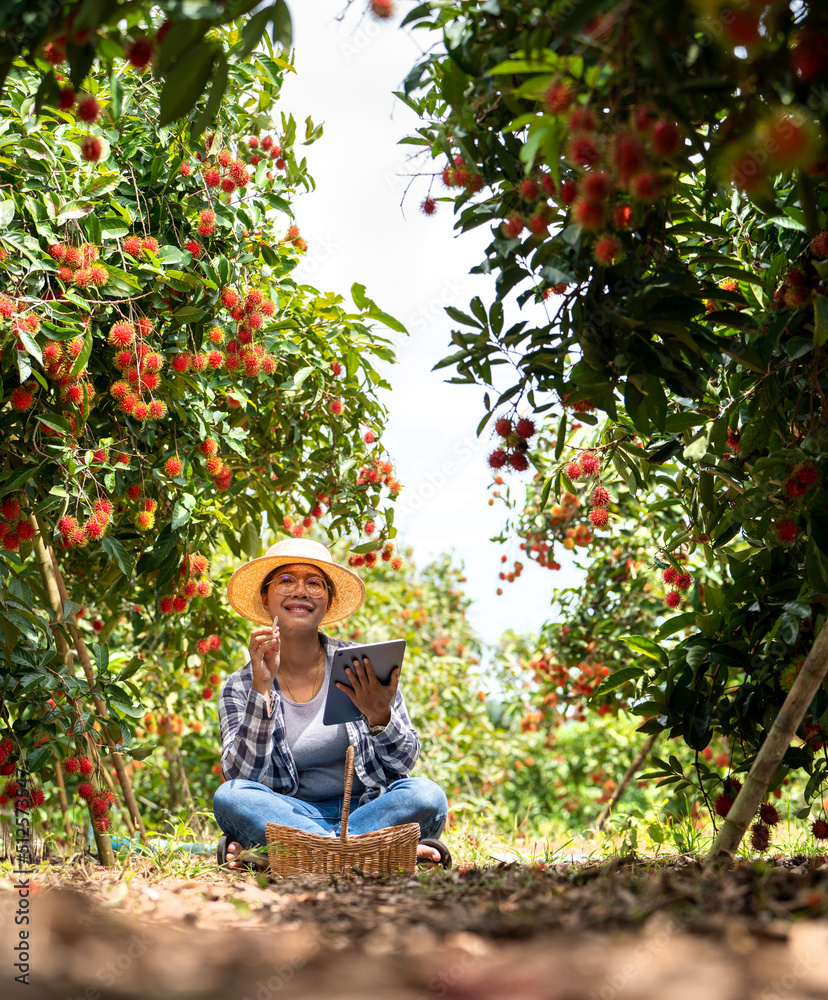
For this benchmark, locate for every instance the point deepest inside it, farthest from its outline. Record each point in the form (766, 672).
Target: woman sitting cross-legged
(281, 763)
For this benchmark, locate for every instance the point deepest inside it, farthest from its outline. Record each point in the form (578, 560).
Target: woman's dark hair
(278, 569)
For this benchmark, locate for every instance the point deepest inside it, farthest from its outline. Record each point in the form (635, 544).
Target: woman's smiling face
(306, 606)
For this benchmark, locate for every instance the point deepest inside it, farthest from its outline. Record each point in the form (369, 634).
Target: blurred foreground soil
(628, 929)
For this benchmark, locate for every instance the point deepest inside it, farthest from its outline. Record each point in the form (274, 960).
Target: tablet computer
(384, 656)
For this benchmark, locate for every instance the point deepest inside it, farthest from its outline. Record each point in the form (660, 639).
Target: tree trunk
(64, 802)
(100, 708)
(770, 755)
(47, 575)
(631, 772)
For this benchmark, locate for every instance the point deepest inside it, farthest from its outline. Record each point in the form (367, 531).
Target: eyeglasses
(286, 584)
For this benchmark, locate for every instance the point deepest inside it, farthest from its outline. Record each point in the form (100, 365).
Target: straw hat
(245, 585)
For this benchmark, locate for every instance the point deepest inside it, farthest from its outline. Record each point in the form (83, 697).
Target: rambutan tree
(167, 384)
(655, 179)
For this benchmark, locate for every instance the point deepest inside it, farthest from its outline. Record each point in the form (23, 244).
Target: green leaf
(213, 103)
(183, 511)
(544, 497)
(116, 551)
(86, 351)
(616, 679)
(37, 757)
(282, 30)
(186, 82)
(6, 212)
(646, 646)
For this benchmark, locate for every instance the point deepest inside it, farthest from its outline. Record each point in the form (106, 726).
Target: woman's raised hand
(265, 648)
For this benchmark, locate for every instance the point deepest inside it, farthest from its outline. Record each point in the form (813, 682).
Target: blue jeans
(242, 808)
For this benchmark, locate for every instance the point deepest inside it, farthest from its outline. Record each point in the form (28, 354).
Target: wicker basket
(381, 852)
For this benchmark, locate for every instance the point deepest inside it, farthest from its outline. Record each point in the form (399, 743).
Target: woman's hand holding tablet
(364, 682)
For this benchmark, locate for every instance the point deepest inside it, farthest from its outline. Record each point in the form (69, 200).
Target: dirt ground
(628, 929)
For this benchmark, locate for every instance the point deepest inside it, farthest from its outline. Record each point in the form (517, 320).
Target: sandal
(221, 858)
(445, 853)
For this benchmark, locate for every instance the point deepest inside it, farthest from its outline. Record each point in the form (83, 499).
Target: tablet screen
(384, 656)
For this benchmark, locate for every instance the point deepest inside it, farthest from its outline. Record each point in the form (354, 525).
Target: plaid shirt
(254, 744)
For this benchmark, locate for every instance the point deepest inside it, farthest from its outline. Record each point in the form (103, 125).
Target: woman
(281, 764)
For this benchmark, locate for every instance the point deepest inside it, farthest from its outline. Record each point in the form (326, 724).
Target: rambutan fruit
(70, 765)
(121, 335)
(157, 409)
(212, 178)
(194, 248)
(128, 403)
(165, 605)
(589, 464)
(144, 521)
(786, 530)
(596, 185)
(768, 814)
(91, 148)
(518, 461)
(559, 98)
(204, 588)
(67, 98)
(229, 298)
(22, 398)
(665, 137)
(581, 119)
(599, 517)
(173, 466)
(149, 245)
(503, 427)
(646, 187)
(132, 245)
(498, 458)
(760, 836)
(628, 154)
(513, 227)
(683, 581)
(335, 407)
(574, 471)
(600, 497)
(589, 214)
(672, 599)
(89, 110)
(583, 151)
(428, 206)
(819, 244)
(57, 251)
(24, 530)
(723, 804)
(819, 828)
(525, 428)
(87, 791)
(85, 766)
(206, 222)
(140, 52)
(102, 824)
(607, 250)
(670, 575)
(208, 447)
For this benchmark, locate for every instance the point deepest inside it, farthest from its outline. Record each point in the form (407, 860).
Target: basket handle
(346, 801)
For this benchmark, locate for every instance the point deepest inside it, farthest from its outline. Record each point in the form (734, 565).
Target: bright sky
(412, 266)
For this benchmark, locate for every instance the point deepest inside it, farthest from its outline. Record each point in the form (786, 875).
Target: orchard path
(628, 930)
